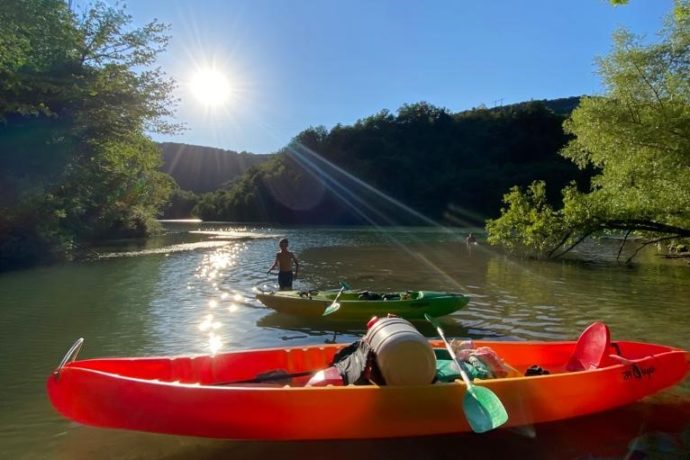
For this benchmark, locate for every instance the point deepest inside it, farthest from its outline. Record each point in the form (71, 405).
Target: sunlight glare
(215, 343)
(209, 324)
(210, 87)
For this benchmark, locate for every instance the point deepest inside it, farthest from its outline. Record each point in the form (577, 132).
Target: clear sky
(292, 64)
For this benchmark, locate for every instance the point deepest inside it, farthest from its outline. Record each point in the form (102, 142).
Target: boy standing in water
(471, 239)
(283, 261)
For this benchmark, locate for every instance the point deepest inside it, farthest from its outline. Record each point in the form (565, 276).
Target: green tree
(181, 204)
(77, 97)
(637, 136)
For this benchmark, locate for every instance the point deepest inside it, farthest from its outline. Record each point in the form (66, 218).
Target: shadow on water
(342, 329)
(629, 432)
(316, 327)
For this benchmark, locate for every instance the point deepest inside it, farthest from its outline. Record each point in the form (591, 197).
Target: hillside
(452, 167)
(204, 169)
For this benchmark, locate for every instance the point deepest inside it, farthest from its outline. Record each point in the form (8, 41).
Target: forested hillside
(205, 169)
(440, 165)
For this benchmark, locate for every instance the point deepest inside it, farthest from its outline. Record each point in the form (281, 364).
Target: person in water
(471, 239)
(284, 259)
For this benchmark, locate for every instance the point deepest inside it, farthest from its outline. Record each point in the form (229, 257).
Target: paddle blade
(332, 308)
(483, 409)
(345, 285)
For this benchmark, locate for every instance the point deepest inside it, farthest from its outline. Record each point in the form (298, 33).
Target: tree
(77, 96)
(637, 136)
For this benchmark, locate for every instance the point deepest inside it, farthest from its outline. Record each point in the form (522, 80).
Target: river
(191, 291)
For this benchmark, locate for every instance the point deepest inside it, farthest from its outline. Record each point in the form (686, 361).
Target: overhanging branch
(578, 241)
(657, 240)
(645, 225)
(623, 244)
(561, 243)
(670, 232)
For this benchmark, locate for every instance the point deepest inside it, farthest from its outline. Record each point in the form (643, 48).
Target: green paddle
(332, 308)
(483, 410)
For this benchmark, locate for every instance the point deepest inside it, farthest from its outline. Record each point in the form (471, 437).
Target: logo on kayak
(637, 372)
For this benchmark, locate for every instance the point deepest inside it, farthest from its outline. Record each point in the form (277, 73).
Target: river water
(192, 291)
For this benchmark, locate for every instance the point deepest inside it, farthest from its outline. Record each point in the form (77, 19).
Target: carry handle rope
(70, 356)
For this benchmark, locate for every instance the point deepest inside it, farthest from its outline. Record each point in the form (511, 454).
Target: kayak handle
(69, 357)
(621, 359)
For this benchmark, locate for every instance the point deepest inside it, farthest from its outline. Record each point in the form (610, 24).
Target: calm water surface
(192, 292)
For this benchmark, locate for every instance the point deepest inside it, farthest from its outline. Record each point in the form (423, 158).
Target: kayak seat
(591, 349)
(366, 295)
(390, 296)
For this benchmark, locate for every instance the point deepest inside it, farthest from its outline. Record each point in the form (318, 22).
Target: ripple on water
(165, 250)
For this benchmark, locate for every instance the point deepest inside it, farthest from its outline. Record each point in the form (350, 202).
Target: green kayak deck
(364, 304)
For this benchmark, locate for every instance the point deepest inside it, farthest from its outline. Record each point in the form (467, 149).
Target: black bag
(357, 365)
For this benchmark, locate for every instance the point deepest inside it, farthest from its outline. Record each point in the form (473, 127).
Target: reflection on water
(200, 299)
(164, 250)
(232, 234)
(613, 435)
(348, 329)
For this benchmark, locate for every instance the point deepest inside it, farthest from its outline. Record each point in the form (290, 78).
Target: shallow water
(191, 293)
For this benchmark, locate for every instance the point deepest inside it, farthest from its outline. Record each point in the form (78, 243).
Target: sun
(210, 87)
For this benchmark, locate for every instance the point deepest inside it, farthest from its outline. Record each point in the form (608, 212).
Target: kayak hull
(182, 395)
(352, 307)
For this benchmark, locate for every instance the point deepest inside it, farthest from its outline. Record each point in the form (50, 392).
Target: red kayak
(237, 395)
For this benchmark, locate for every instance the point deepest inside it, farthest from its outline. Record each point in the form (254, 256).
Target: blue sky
(299, 63)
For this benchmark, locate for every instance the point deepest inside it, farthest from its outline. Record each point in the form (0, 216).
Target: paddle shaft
(338, 296)
(464, 376)
(269, 377)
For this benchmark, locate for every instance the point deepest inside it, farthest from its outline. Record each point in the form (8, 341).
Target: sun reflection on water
(214, 271)
(209, 324)
(215, 343)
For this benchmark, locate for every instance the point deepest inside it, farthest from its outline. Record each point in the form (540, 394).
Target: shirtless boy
(283, 261)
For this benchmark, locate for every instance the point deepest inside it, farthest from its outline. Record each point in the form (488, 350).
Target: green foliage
(181, 205)
(429, 159)
(77, 98)
(528, 223)
(637, 137)
(36, 37)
